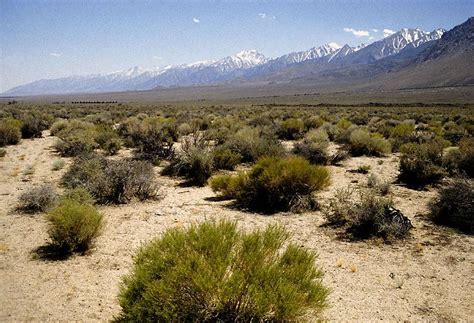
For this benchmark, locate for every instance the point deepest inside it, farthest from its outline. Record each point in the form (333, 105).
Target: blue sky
(47, 39)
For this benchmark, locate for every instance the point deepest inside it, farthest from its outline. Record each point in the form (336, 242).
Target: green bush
(275, 184)
(314, 147)
(37, 199)
(421, 164)
(253, 143)
(466, 161)
(75, 138)
(402, 134)
(10, 131)
(224, 158)
(111, 181)
(455, 205)
(74, 226)
(108, 140)
(365, 143)
(3, 152)
(291, 129)
(78, 194)
(213, 272)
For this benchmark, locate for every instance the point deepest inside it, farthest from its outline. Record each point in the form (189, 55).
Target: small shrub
(224, 158)
(369, 216)
(37, 199)
(276, 184)
(76, 143)
(213, 272)
(455, 205)
(111, 181)
(314, 147)
(194, 162)
(291, 129)
(33, 126)
(252, 144)
(74, 226)
(58, 164)
(363, 169)
(421, 164)
(78, 194)
(10, 131)
(3, 152)
(364, 143)
(466, 162)
(108, 140)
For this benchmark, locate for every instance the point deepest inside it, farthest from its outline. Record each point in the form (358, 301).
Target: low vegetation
(454, 207)
(274, 184)
(111, 181)
(73, 226)
(37, 199)
(214, 272)
(369, 215)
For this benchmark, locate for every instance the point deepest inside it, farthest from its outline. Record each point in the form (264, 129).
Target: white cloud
(375, 30)
(371, 37)
(55, 54)
(357, 33)
(387, 32)
(196, 20)
(157, 57)
(266, 16)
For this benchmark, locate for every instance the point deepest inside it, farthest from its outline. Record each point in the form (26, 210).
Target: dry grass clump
(213, 272)
(194, 162)
(291, 129)
(369, 215)
(274, 184)
(37, 199)
(111, 181)
(421, 164)
(454, 207)
(314, 147)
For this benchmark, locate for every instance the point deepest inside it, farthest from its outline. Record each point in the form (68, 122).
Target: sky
(41, 39)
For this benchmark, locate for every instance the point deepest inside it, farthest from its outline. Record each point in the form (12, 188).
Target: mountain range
(407, 58)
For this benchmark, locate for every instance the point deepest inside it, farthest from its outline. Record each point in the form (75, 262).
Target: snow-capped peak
(334, 45)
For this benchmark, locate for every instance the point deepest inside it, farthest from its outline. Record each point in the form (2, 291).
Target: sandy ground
(427, 277)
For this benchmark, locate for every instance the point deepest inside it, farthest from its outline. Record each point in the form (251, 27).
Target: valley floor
(427, 277)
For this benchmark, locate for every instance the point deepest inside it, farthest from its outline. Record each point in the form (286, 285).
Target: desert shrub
(225, 158)
(340, 207)
(108, 140)
(402, 134)
(466, 161)
(369, 216)
(75, 138)
(291, 129)
(454, 207)
(213, 272)
(37, 199)
(78, 194)
(339, 156)
(58, 164)
(253, 143)
(10, 131)
(275, 184)
(3, 152)
(313, 122)
(111, 181)
(74, 226)
(453, 132)
(58, 126)
(33, 126)
(365, 143)
(314, 147)
(194, 161)
(421, 164)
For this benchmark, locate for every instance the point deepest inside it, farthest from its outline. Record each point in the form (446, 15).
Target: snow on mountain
(393, 44)
(310, 54)
(247, 63)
